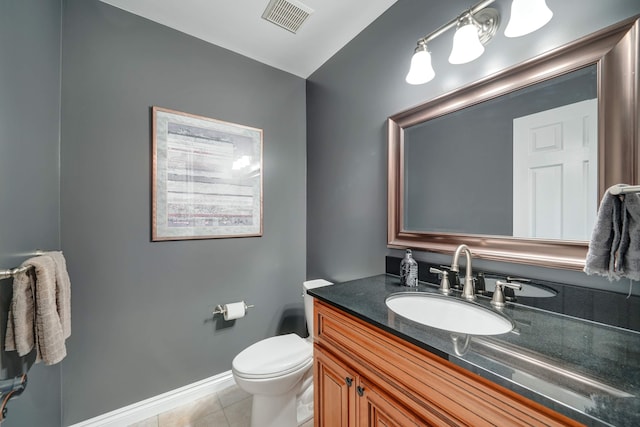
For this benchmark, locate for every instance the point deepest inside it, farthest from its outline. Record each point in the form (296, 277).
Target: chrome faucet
(468, 290)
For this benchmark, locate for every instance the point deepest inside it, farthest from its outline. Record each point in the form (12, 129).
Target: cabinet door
(376, 409)
(412, 380)
(334, 392)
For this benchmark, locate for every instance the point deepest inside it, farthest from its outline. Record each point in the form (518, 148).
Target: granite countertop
(583, 369)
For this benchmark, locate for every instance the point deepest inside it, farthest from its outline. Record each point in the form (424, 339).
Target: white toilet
(277, 372)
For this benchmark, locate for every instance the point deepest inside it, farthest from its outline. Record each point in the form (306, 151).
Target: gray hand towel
(605, 239)
(628, 260)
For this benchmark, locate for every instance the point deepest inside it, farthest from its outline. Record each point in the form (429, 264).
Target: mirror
(483, 143)
(475, 133)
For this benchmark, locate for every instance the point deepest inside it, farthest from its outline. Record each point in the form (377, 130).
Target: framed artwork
(207, 178)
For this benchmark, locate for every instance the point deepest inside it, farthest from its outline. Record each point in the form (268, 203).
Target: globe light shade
(527, 16)
(466, 45)
(421, 70)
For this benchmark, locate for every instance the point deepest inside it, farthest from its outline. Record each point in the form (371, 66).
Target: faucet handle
(498, 294)
(509, 295)
(445, 287)
(436, 271)
(455, 277)
(517, 279)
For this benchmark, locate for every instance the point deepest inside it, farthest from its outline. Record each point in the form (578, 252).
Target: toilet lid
(273, 356)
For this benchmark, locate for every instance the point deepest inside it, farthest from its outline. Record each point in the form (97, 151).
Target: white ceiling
(237, 25)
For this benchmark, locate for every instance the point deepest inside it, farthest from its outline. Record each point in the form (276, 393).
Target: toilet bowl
(277, 372)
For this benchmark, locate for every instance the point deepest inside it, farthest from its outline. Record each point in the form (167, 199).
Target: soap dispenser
(408, 270)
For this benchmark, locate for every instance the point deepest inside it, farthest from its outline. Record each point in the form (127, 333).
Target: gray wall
(141, 310)
(142, 321)
(352, 94)
(29, 185)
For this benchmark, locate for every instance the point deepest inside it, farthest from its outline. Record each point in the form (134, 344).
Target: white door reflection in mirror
(555, 172)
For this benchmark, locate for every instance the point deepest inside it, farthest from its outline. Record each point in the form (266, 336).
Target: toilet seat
(273, 357)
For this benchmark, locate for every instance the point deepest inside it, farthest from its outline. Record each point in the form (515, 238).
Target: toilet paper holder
(220, 308)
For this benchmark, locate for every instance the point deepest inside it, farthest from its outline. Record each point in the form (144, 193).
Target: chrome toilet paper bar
(220, 308)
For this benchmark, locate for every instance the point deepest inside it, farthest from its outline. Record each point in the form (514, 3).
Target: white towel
(39, 315)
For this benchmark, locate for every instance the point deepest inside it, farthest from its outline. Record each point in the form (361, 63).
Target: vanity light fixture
(421, 70)
(475, 27)
(467, 44)
(527, 16)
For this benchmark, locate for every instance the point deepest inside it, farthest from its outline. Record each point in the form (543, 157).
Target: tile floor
(230, 407)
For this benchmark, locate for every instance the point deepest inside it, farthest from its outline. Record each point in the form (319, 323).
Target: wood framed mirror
(611, 56)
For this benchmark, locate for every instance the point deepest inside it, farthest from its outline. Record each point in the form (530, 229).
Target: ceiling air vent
(288, 14)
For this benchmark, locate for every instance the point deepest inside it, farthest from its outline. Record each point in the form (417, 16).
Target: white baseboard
(164, 402)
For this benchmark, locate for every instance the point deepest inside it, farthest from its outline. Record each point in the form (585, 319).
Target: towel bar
(623, 189)
(12, 272)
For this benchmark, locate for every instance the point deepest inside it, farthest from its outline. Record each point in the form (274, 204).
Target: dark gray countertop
(585, 370)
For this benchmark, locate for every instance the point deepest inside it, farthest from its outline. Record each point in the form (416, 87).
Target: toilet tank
(308, 300)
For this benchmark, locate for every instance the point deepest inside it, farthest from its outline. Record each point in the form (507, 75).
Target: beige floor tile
(239, 413)
(231, 395)
(186, 415)
(149, 422)
(216, 419)
(228, 408)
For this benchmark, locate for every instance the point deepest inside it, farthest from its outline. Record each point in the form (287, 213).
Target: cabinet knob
(349, 381)
(360, 390)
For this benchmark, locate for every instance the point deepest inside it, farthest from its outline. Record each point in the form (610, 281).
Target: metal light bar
(474, 9)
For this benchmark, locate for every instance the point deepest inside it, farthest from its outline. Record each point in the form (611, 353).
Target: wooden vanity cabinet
(344, 398)
(367, 377)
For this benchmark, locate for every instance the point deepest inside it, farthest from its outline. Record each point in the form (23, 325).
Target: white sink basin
(448, 313)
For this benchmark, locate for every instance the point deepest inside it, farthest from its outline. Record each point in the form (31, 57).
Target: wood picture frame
(206, 179)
